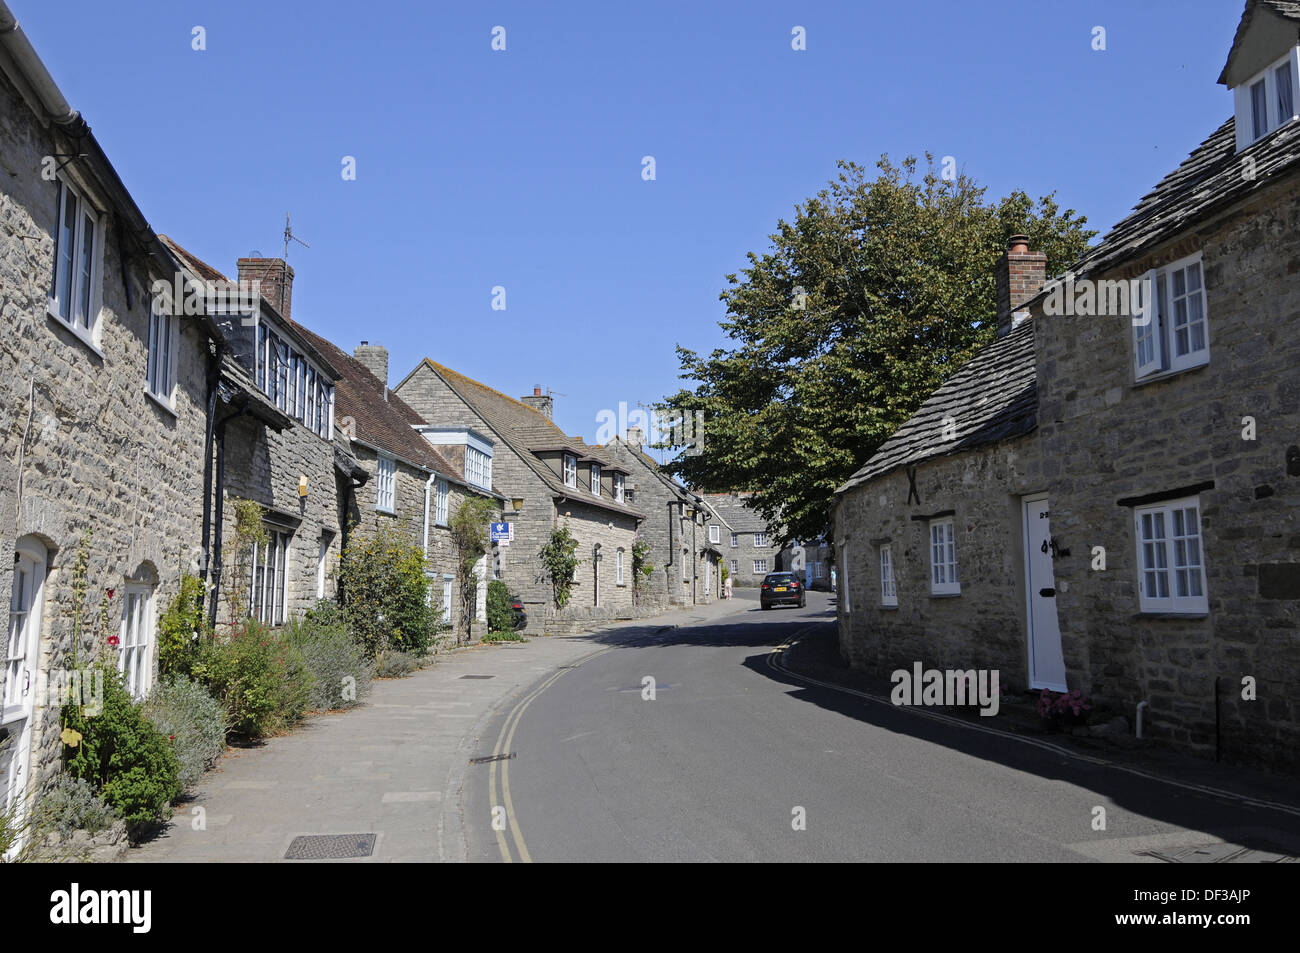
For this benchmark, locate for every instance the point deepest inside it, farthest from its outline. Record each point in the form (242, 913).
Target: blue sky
(522, 168)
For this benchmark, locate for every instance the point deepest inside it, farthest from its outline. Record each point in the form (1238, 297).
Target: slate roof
(1287, 9)
(735, 512)
(386, 424)
(1208, 180)
(527, 431)
(649, 463)
(992, 397)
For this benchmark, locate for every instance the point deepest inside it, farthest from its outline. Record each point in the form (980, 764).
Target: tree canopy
(876, 292)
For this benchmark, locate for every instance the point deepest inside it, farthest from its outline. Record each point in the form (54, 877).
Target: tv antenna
(289, 236)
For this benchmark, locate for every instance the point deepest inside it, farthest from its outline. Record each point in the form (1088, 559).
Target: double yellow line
(503, 747)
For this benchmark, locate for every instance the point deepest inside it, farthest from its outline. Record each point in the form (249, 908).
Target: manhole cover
(1218, 854)
(478, 676)
(492, 757)
(330, 846)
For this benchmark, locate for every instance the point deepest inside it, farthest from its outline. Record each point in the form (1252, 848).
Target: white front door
(480, 592)
(1046, 660)
(19, 692)
(708, 576)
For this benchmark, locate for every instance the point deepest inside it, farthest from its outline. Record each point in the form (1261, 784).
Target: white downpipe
(1141, 705)
(428, 483)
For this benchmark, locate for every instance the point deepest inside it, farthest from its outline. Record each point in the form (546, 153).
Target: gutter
(42, 84)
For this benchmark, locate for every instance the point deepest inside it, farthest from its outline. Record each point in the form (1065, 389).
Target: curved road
(731, 752)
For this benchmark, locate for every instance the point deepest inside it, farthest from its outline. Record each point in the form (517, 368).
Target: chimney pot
(1021, 274)
(537, 392)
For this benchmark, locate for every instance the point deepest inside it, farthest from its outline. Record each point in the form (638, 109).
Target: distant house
(412, 489)
(1104, 498)
(552, 480)
(685, 536)
(749, 549)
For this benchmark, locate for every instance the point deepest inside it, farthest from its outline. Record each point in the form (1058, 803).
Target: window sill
(1167, 375)
(164, 404)
(888, 608)
(1166, 614)
(383, 512)
(946, 595)
(79, 333)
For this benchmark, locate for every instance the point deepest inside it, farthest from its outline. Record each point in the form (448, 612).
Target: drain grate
(492, 757)
(1218, 854)
(478, 676)
(330, 846)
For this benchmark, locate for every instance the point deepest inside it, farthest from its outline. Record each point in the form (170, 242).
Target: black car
(782, 589)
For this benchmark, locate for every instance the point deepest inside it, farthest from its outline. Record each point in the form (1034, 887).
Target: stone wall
(1107, 438)
(97, 453)
(985, 625)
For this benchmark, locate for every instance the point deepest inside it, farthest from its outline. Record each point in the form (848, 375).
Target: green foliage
(192, 719)
(500, 615)
(121, 754)
(339, 667)
(898, 282)
(250, 531)
(181, 628)
(642, 568)
(469, 534)
(560, 560)
(71, 804)
(392, 664)
(262, 681)
(385, 593)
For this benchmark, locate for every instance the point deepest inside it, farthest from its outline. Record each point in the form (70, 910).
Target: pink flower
(110, 592)
(113, 640)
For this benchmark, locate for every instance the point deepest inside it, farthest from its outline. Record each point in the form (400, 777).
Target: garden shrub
(119, 751)
(392, 664)
(262, 681)
(339, 667)
(504, 637)
(70, 805)
(193, 720)
(181, 628)
(500, 615)
(385, 595)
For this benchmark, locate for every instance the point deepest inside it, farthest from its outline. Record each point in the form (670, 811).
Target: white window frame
(1155, 337)
(760, 567)
(942, 547)
(760, 539)
(267, 599)
(85, 325)
(570, 468)
(385, 484)
(618, 567)
(888, 580)
(1273, 118)
(735, 540)
(735, 566)
(322, 561)
(448, 596)
(715, 534)
(595, 479)
(618, 487)
(160, 362)
(1171, 567)
(441, 501)
(135, 639)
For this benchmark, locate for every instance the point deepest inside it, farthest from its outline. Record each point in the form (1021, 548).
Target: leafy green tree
(876, 293)
(469, 534)
(385, 593)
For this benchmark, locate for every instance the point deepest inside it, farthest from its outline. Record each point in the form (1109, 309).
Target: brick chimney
(276, 277)
(1021, 275)
(542, 403)
(375, 359)
(635, 437)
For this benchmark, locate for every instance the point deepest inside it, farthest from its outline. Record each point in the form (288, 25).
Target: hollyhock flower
(113, 640)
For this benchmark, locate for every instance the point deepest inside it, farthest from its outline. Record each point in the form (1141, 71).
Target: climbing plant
(559, 557)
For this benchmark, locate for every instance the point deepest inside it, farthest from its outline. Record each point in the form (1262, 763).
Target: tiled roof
(527, 431)
(383, 423)
(1213, 176)
(994, 396)
(1287, 9)
(201, 267)
(735, 512)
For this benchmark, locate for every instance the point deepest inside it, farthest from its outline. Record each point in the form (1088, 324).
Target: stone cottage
(750, 550)
(550, 479)
(413, 489)
(684, 550)
(104, 391)
(1125, 525)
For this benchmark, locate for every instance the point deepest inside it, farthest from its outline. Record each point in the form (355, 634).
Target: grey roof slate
(993, 397)
(736, 512)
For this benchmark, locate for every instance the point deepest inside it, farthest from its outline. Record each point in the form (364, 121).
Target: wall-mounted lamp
(517, 504)
(302, 486)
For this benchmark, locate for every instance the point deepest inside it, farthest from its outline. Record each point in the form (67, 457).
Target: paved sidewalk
(393, 766)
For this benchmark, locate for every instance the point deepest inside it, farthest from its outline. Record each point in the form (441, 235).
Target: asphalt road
(731, 752)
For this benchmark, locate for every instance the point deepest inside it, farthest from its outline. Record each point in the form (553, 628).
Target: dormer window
(595, 479)
(1268, 100)
(571, 471)
(618, 487)
(478, 467)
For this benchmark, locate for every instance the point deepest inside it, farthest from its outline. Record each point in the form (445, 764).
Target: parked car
(782, 589)
(521, 617)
